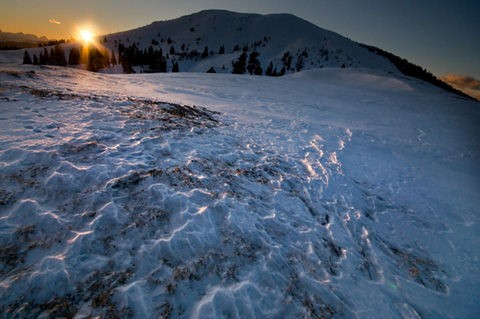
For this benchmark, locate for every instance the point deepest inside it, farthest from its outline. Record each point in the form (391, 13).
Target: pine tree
(305, 53)
(253, 66)
(221, 50)
(44, 57)
(26, 58)
(74, 56)
(287, 60)
(300, 63)
(193, 54)
(97, 60)
(127, 66)
(51, 57)
(35, 59)
(205, 53)
(113, 59)
(269, 70)
(175, 67)
(239, 66)
(58, 56)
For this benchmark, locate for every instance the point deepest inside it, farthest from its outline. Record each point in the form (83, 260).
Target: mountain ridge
(223, 41)
(272, 35)
(21, 37)
(18, 40)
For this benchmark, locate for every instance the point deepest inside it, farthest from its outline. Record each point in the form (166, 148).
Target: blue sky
(442, 36)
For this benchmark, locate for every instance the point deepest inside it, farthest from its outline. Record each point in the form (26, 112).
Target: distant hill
(12, 41)
(410, 69)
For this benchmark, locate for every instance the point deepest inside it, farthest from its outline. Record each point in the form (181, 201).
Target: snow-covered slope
(271, 35)
(332, 193)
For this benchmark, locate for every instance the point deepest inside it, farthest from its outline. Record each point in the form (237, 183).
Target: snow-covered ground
(332, 193)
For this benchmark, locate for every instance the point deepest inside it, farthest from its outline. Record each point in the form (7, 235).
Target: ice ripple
(164, 210)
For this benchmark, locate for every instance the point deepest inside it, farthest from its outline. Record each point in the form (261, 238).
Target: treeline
(52, 42)
(156, 60)
(17, 45)
(413, 70)
(56, 56)
(95, 59)
(153, 58)
(252, 66)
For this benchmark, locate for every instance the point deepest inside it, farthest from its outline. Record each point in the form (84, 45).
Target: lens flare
(86, 35)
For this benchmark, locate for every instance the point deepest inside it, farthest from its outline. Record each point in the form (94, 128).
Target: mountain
(283, 39)
(20, 37)
(221, 41)
(9, 40)
(326, 193)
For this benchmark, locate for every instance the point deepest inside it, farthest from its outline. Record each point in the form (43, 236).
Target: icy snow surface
(331, 193)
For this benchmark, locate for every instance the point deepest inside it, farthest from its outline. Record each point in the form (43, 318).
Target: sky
(441, 36)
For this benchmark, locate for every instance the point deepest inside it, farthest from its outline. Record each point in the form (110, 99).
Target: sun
(86, 35)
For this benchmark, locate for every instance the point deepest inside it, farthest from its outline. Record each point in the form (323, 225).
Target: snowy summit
(215, 38)
(324, 193)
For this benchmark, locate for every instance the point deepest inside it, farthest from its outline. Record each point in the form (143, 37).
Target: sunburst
(87, 36)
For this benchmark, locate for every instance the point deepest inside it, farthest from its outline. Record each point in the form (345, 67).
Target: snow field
(328, 193)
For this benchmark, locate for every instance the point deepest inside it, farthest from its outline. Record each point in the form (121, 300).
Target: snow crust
(333, 193)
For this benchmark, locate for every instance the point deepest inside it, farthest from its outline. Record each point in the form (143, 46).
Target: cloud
(466, 84)
(53, 21)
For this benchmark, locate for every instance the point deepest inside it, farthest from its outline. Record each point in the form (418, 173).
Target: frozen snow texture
(325, 194)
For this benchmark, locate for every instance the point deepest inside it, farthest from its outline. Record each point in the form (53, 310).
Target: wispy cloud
(53, 21)
(467, 84)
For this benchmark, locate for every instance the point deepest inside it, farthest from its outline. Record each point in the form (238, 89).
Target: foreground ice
(325, 194)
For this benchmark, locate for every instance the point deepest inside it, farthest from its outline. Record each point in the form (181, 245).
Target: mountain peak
(281, 40)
